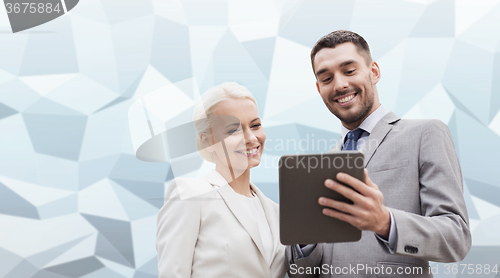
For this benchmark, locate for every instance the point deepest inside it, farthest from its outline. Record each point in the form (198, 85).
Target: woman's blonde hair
(207, 105)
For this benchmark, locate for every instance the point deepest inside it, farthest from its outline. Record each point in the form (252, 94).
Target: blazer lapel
(216, 179)
(378, 134)
(271, 217)
(244, 217)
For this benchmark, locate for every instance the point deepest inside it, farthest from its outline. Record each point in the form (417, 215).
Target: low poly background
(76, 202)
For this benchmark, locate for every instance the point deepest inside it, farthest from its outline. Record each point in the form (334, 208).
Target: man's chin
(350, 115)
(349, 118)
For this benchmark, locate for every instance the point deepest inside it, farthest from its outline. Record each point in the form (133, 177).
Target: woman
(222, 225)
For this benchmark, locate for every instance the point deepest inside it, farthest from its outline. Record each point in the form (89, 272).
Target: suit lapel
(378, 134)
(376, 137)
(271, 217)
(216, 179)
(229, 196)
(244, 217)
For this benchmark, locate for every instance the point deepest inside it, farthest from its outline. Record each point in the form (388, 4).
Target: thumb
(368, 181)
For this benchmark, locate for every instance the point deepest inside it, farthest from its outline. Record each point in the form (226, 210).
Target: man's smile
(346, 100)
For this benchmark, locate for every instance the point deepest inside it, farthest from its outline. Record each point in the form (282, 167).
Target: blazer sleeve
(442, 232)
(278, 265)
(177, 233)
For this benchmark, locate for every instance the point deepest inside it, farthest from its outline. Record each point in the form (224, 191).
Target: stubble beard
(363, 111)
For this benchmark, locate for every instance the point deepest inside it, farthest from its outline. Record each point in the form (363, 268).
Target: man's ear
(375, 72)
(317, 86)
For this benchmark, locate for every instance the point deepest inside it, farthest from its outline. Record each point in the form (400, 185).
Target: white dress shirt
(254, 207)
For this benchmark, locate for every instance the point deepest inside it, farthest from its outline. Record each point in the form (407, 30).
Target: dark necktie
(351, 143)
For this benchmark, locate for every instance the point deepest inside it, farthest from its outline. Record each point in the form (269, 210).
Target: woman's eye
(233, 131)
(256, 125)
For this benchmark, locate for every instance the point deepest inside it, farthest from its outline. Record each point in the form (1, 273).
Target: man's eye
(350, 72)
(326, 80)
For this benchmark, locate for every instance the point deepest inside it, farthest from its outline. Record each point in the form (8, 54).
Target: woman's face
(238, 126)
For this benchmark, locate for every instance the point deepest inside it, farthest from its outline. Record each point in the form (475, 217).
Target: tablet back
(302, 183)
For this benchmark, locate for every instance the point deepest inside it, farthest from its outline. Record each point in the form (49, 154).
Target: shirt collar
(369, 123)
(216, 178)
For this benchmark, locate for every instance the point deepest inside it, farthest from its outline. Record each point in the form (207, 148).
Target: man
(411, 208)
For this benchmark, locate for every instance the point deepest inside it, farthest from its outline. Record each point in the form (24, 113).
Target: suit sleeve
(296, 267)
(177, 233)
(442, 232)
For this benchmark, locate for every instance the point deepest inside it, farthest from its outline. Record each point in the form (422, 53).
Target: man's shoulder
(421, 129)
(421, 124)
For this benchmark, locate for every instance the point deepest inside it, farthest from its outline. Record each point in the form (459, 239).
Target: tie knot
(354, 135)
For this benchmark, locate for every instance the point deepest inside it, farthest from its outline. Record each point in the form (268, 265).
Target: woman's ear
(206, 142)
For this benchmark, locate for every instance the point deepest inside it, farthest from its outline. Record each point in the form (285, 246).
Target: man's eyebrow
(319, 72)
(343, 64)
(348, 62)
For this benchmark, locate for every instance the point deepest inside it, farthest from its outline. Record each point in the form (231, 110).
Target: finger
(345, 191)
(358, 185)
(339, 215)
(368, 181)
(341, 206)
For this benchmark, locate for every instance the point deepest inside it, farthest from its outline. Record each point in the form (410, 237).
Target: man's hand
(368, 211)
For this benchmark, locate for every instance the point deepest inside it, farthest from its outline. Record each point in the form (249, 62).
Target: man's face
(346, 83)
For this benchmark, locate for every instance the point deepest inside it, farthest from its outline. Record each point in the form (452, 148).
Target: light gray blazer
(414, 164)
(203, 231)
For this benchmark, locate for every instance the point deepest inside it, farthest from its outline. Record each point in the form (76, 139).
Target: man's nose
(340, 84)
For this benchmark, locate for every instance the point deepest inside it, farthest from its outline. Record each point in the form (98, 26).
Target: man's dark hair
(342, 36)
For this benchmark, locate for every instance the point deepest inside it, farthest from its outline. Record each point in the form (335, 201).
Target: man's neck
(356, 124)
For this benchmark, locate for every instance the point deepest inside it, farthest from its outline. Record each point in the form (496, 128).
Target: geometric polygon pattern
(76, 202)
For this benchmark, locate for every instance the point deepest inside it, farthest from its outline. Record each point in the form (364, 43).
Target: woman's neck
(241, 181)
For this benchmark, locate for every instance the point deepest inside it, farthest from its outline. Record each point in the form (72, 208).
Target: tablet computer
(301, 184)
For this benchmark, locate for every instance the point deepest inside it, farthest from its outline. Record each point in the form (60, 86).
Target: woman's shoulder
(187, 188)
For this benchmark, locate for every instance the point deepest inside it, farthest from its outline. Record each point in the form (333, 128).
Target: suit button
(411, 249)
